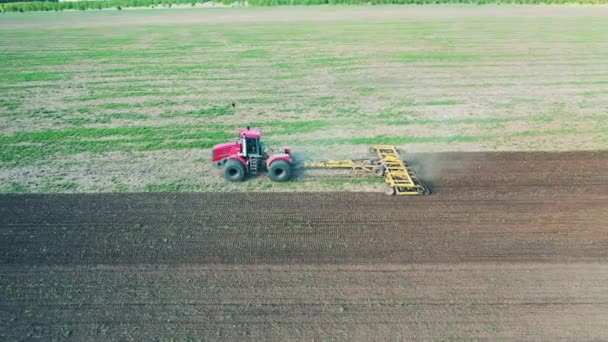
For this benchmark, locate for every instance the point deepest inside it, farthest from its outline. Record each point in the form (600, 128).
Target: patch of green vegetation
(117, 94)
(121, 187)
(330, 61)
(100, 119)
(127, 116)
(347, 69)
(23, 148)
(266, 186)
(201, 113)
(35, 60)
(322, 101)
(13, 187)
(258, 100)
(577, 83)
(598, 118)
(366, 91)
(545, 118)
(592, 93)
(584, 104)
(435, 56)
(11, 104)
(284, 65)
(103, 119)
(514, 103)
(289, 76)
(412, 103)
(50, 185)
(530, 133)
(440, 103)
(383, 139)
(79, 121)
(30, 76)
(287, 128)
(84, 110)
(160, 103)
(41, 113)
(392, 114)
(117, 105)
(266, 91)
(347, 112)
(254, 53)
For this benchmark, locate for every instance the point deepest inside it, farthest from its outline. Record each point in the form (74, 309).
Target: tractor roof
(250, 133)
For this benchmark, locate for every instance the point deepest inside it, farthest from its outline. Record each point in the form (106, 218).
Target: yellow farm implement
(387, 163)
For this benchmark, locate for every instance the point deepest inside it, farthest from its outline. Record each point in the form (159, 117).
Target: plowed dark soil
(510, 245)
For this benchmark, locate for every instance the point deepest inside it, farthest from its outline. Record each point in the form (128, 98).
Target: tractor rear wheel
(280, 171)
(234, 171)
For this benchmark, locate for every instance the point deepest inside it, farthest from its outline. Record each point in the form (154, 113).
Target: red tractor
(246, 157)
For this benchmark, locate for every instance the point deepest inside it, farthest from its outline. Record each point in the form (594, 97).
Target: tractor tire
(280, 171)
(234, 171)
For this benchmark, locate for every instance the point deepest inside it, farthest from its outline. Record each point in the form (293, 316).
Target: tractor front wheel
(280, 171)
(234, 171)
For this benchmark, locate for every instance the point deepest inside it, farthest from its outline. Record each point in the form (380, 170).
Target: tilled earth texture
(509, 246)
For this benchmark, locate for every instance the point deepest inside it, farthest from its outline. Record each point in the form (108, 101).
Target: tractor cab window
(252, 146)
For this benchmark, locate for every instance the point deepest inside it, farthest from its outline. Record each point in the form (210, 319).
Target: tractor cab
(251, 144)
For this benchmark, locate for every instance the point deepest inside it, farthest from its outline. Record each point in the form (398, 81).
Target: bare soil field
(509, 246)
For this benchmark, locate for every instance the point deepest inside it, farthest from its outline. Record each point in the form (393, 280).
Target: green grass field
(133, 100)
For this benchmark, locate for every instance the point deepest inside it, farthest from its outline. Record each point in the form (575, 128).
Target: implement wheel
(280, 171)
(391, 191)
(234, 171)
(379, 170)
